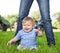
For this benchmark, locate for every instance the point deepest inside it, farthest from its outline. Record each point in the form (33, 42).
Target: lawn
(42, 44)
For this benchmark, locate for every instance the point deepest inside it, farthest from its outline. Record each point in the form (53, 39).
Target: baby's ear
(33, 24)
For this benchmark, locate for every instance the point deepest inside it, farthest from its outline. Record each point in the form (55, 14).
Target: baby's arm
(12, 41)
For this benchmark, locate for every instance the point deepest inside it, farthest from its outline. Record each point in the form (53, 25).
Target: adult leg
(45, 14)
(23, 12)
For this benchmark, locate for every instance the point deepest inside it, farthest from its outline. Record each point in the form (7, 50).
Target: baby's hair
(28, 19)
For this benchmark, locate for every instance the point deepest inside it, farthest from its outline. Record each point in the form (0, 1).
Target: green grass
(42, 44)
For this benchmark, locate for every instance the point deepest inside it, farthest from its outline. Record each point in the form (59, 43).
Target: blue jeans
(25, 6)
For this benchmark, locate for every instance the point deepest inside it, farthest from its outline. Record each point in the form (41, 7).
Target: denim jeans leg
(23, 12)
(45, 15)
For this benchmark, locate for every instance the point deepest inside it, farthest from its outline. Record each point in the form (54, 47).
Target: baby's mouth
(27, 29)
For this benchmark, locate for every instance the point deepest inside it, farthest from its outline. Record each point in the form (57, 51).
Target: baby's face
(27, 26)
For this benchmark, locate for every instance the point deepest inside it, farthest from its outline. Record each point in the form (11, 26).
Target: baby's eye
(24, 25)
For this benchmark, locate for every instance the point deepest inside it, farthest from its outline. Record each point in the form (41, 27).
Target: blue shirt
(28, 39)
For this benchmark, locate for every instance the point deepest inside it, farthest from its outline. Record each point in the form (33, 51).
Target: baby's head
(27, 24)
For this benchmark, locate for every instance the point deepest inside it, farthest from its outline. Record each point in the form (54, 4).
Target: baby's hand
(9, 43)
(36, 30)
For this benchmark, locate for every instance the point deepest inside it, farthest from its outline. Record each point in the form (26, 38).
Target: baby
(27, 35)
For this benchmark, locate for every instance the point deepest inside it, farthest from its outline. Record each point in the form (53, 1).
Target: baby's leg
(33, 48)
(20, 47)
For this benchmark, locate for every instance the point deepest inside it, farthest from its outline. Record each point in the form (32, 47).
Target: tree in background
(36, 15)
(12, 18)
(57, 16)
